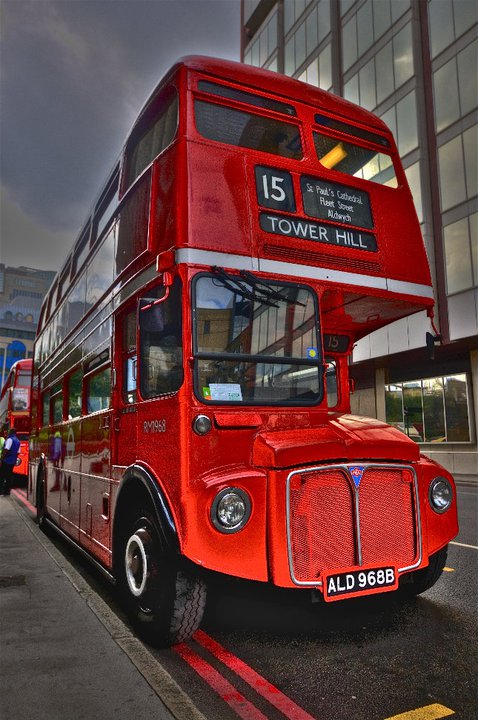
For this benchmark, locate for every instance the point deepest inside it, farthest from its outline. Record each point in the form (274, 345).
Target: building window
(434, 410)
(249, 7)
(414, 181)
(449, 20)
(349, 43)
(383, 74)
(293, 9)
(264, 43)
(402, 56)
(445, 89)
(319, 72)
(402, 122)
(455, 87)
(382, 17)
(458, 168)
(366, 26)
(407, 132)
(307, 37)
(461, 254)
(467, 81)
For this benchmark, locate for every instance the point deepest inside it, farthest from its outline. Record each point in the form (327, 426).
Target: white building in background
(22, 291)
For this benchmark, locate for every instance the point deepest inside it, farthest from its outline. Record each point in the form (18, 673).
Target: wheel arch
(138, 487)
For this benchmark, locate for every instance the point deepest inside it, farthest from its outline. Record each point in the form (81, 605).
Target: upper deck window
(153, 140)
(357, 132)
(243, 129)
(24, 378)
(351, 159)
(245, 97)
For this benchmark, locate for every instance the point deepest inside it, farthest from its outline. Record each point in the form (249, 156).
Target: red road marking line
(23, 498)
(262, 686)
(236, 701)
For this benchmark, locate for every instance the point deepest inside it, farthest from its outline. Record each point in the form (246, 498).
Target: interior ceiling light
(334, 156)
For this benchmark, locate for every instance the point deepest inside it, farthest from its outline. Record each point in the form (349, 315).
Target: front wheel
(421, 580)
(165, 599)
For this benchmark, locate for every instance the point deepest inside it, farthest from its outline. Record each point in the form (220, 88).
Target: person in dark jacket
(8, 460)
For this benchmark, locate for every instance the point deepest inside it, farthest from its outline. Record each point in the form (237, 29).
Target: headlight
(440, 494)
(230, 510)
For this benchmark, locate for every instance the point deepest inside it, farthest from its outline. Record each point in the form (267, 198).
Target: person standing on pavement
(8, 459)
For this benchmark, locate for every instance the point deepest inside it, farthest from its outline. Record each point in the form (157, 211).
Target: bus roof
(25, 364)
(271, 82)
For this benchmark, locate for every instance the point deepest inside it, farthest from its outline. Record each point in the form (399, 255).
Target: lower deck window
(98, 391)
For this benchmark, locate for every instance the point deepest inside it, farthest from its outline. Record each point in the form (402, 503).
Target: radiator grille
(330, 526)
(317, 258)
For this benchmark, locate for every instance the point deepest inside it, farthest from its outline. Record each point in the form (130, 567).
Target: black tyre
(164, 598)
(421, 580)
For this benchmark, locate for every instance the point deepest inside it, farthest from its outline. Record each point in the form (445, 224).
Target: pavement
(63, 653)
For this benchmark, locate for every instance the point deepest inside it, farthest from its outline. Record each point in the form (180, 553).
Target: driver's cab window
(331, 382)
(128, 351)
(160, 352)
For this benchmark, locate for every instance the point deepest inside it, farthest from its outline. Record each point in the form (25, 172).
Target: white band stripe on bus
(195, 256)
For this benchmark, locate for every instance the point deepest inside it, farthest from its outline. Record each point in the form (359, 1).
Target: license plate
(365, 581)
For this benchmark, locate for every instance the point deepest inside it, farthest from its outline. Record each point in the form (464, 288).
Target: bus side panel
(71, 478)
(219, 212)
(63, 489)
(158, 446)
(22, 467)
(168, 218)
(219, 460)
(95, 485)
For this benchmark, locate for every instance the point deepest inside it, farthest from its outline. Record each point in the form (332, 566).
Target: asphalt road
(266, 654)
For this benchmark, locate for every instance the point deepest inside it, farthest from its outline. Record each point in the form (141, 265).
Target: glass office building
(414, 63)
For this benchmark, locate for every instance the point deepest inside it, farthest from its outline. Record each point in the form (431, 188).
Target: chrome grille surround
(346, 469)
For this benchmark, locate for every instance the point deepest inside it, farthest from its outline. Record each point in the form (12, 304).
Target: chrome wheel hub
(136, 562)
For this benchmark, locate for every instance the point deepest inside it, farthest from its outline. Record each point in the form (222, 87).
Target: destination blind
(334, 202)
(331, 202)
(309, 230)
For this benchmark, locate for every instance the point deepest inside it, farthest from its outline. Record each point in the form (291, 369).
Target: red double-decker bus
(191, 382)
(15, 409)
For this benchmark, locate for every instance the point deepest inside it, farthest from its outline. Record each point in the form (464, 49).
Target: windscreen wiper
(232, 283)
(266, 289)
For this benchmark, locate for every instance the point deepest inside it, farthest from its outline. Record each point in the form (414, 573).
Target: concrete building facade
(21, 294)
(414, 64)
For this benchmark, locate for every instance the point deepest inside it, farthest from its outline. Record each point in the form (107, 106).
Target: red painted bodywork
(203, 198)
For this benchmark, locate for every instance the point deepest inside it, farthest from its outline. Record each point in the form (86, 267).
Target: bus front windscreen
(255, 342)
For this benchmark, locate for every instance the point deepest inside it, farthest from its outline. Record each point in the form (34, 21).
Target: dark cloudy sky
(75, 74)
